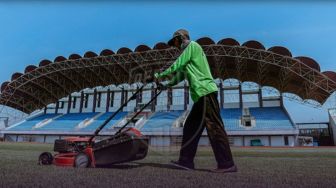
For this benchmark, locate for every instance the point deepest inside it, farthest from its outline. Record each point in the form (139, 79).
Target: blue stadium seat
(267, 118)
(67, 122)
(31, 122)
(230, 117)
(101, 119)
(161, 121)
(271, 118)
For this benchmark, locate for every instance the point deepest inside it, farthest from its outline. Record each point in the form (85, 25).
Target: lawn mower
(127, 144)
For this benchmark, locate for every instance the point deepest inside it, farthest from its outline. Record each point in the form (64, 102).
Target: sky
(35, 30)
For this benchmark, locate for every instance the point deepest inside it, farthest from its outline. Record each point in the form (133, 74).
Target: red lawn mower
(124, 146)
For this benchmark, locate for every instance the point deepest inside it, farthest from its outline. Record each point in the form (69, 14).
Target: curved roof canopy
(46, 83)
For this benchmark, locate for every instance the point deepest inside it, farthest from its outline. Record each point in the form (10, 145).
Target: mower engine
(72, 151)
(72, 144)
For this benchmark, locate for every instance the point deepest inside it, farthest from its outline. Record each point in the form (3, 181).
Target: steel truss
(46, 84)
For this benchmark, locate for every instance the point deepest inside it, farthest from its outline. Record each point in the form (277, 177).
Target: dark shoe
(181, 165)
(226, 170)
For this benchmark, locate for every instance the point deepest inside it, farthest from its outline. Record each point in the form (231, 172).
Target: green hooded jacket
(192, 64)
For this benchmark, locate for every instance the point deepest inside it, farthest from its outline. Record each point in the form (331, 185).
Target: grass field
(258, 167)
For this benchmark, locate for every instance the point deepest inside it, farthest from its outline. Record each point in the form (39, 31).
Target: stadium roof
(46, 83)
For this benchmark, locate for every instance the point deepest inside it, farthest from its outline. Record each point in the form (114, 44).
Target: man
(192, 64)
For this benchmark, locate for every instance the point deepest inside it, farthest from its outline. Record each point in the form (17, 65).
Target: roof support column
(221, 94)
(108, 98)
(57, 107)
(260, 97)
(169, 98)
(153, 91)
(81, 102)
(69, 103)
(186, 96)
(94, 100)
(240, 96)
(138, 97)
(126, 97)
(281, 99)
(122, 99)
(112, 99)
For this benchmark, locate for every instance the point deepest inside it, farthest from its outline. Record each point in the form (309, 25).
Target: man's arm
(176, 79)
(180, 62)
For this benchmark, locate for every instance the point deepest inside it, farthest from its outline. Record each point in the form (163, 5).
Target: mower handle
(115, 113)
(160, 87)
(135, 115)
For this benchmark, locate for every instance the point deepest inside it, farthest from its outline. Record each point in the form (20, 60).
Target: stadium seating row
(267, 118)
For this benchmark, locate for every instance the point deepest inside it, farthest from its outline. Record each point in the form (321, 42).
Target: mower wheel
(45, 158)
(82, 160)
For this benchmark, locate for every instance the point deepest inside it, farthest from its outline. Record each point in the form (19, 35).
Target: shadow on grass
(153, 165)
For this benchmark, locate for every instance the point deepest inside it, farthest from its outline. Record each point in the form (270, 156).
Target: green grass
(258, 167)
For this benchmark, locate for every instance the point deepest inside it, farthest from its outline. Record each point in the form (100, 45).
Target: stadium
(74, 95)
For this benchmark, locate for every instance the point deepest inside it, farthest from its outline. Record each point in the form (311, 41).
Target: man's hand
(154, 78)
(161, 86)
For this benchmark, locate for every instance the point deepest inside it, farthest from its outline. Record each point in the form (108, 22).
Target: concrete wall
(62, 110)
(2, 125)
(291, 141)
(30, 138)
(271, 103)
(51, 108)
(250, 100)
(250, 104)
(238, 141)
(90, 104)
(333, 127)
(130, 106)
(21, 138)
(159, 141)
(103, 100)
(277, 141)
(77, 105)
(10, 138)
(162, 99)
(39, 138)
(231, 105)
(178, 97)
(177, 107)
(51, 139)
(265, 140)
(161, 108)
(204, 141)
(116, 102)
(167, 141)
(146, 96)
